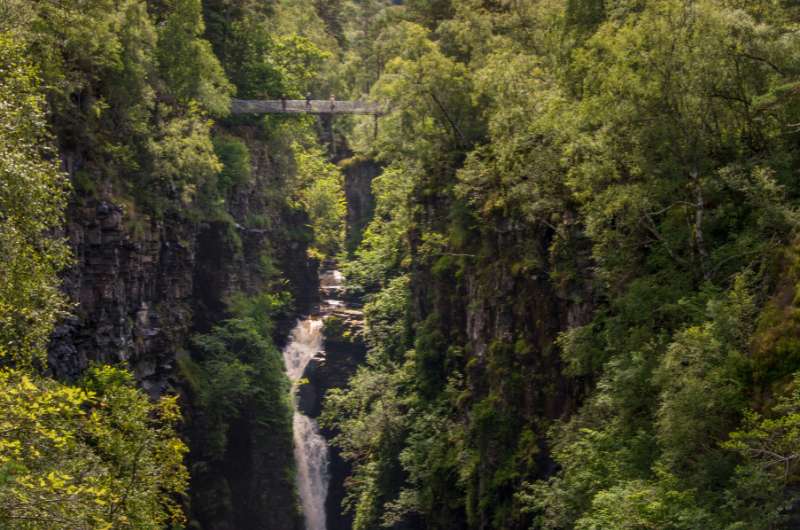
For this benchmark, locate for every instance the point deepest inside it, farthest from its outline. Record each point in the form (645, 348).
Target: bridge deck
(301, 106)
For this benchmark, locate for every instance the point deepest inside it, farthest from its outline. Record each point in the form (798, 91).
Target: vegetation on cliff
(124, 103)
(581, 278)
(241, 408)
(582, 267)
(94, 454)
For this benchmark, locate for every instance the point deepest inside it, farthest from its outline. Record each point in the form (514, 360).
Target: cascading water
(310, 447)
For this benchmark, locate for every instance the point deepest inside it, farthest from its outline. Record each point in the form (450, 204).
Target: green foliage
(238, 368)
(234, 156)
(297, 61)
(321, 194)
(702, 376)
(635, 505)
(764, 484)
(238, 388)
(634, 163)
(432, 113)
(370, 414)
(99, 455)
(184, 159)
(129, 89)
(96, 455)
(585, 215)
(33, 195)
(187, 64)
(384, 246)
(388, 309)
(265, 52)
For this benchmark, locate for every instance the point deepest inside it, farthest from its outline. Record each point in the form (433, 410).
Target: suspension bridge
(304, 106)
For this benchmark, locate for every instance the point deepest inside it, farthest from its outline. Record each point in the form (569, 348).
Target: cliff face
(495, 315)
(511, 304)
(132, 290)
(344, 351)
(358, 176)
(143, 286)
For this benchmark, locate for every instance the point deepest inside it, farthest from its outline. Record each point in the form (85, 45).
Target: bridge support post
(333, 138)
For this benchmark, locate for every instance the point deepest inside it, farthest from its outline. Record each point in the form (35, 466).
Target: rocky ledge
(330, 368)
(333, 367)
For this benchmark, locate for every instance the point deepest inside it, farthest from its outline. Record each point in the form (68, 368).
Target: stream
(310, 448)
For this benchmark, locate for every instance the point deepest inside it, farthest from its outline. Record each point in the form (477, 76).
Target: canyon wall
(144, 285)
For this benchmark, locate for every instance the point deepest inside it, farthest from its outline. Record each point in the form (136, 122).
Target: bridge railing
(302, 106)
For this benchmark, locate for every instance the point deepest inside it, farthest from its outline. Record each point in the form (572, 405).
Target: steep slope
(584, 209)
(189, 239)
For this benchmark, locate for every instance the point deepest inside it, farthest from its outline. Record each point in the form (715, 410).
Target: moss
(190, 372)
(135, 222)
(336, 329)
(776, 341)
(443, 266)
(85, 183)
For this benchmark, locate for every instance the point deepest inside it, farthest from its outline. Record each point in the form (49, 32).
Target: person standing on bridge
(333, 102)
(283, 102)
(308, 101)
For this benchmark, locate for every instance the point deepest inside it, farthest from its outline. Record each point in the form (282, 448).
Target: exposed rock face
(143, 286)
(132, 293)
(358, 176)
(504, 312)
(333, 367)
(344, 350)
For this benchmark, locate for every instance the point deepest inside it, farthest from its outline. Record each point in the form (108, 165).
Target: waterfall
(304, 342)
(311, 455)
(310, 447)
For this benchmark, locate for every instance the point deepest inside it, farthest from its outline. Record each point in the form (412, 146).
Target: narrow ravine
(310, 447)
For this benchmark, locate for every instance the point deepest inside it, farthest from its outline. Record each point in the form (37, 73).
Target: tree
(33, 195)
(634, 163)
(186, 61)
(769, 469)
(321, 186)
(94, 455)
(99, 455)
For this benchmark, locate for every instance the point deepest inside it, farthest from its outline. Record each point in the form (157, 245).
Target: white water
(311, 455)
(304, 342)
(310, 448)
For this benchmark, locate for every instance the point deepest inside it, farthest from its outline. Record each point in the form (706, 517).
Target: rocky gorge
(144, 286)
(343, 350)
(402, 264)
